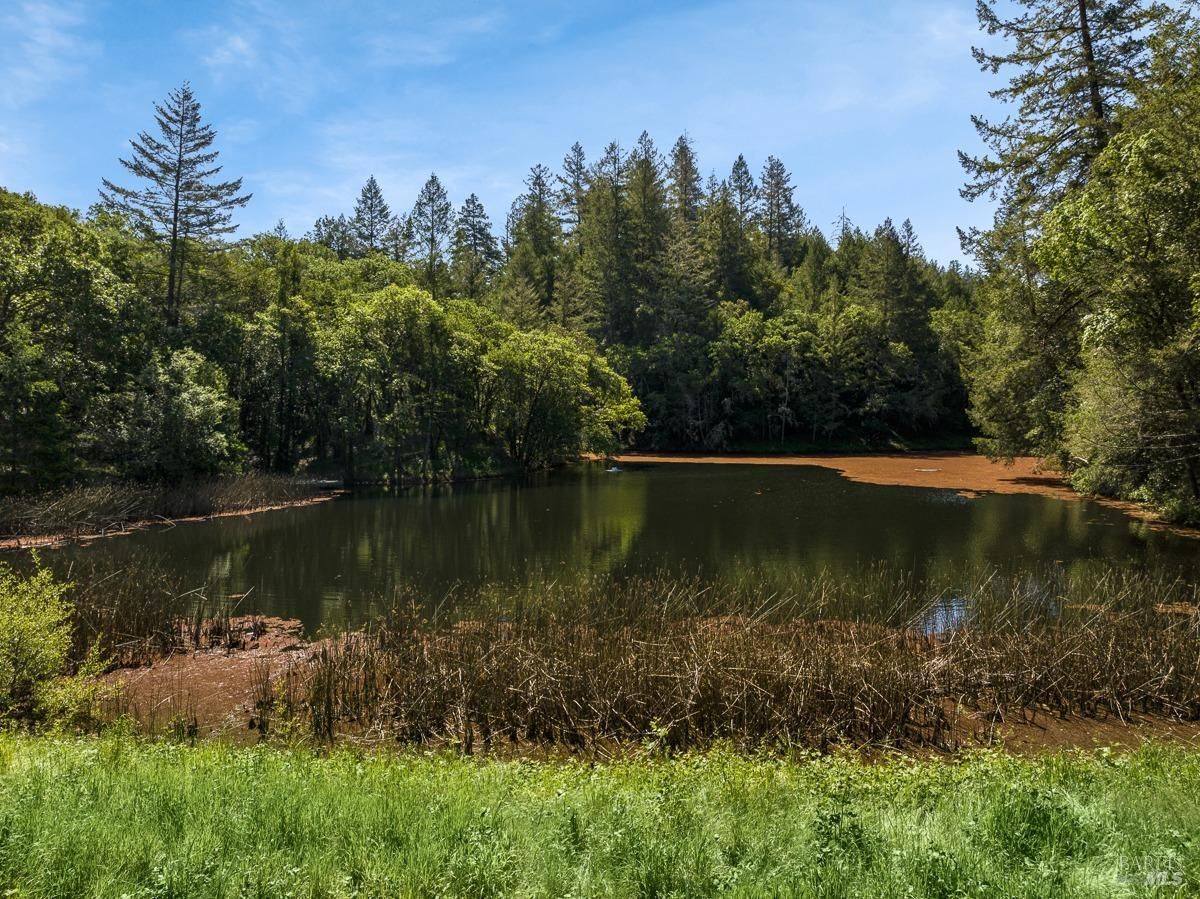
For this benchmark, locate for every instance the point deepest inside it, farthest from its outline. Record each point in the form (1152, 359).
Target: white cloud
(434, 43)
(267, 46)
(43, 47)
(234, 51)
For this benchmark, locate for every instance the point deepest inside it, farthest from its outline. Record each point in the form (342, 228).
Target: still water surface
(326, 563)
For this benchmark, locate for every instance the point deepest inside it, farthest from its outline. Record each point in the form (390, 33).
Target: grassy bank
(120, 818)
(105, 508)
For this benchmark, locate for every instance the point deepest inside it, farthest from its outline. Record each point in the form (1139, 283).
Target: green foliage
(1130, 243)
(382, 348)
(1087, 348)
(35, 642)
(556, 400)
(114, 817)
(174, 422)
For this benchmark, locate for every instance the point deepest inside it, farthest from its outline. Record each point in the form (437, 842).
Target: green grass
(116, 817)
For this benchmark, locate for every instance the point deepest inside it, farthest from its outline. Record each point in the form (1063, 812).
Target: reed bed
(685, 663)
(104, 508)
(139, 611)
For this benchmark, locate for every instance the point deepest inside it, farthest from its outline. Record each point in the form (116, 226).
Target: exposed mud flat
(969, 474)
(212, 690)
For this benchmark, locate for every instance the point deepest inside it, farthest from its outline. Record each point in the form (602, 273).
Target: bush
(35, 642)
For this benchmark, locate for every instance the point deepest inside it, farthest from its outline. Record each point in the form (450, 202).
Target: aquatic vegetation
(689, 662)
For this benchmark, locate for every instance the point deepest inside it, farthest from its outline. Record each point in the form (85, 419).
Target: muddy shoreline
(52, 541)
(968, 474)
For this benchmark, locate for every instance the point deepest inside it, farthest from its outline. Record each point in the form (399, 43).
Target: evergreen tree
(335, 233)
(743, 192)
(537, 236)
(1075, 63)
(782, 220)
(372, 217)
(573, 186)
(180, 201)
(398, 239)
(649, 224)
(685, 192)
(727, 246)
(432, 220)
(474, 255)
(606, 245)
(1074, 67)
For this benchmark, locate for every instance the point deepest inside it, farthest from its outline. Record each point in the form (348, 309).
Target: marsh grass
(117, 817)
(104, 508)
(138, 611)
(687, 662)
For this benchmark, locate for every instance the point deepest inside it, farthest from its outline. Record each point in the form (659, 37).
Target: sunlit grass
(119, 818)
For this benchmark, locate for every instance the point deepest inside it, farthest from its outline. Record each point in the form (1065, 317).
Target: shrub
(35, 642)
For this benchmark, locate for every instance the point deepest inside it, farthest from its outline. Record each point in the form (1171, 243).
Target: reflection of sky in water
(944, 614)
(332, 561)
(1026, 594)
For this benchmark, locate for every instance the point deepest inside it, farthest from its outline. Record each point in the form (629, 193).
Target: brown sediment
(965, 472)
(50, 541)
(212, 689)
(1050, 733)
(969, 474)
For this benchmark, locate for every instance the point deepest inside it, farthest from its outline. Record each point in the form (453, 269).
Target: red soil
(213, 689)
(968, 473)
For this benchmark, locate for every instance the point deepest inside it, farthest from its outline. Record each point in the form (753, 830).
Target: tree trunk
(1100, 125)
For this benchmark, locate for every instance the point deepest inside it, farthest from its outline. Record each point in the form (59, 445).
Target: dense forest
(630, 298)
(140, 342)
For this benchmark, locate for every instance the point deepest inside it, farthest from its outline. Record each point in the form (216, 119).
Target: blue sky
(865, 102)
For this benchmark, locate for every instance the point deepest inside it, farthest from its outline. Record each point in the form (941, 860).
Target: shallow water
(327, 563)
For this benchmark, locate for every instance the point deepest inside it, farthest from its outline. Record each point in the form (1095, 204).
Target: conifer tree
(335, 233)
(649, 225)
(573, 185)
(432, 222)
(1074, 63)
(743, 192)
(606, 244)
(782, 220)
(474, 255)
(537, 236)
(685, 192)
(372, 217)
(398, 240)
(180, 200)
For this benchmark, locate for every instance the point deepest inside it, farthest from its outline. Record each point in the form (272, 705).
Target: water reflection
(329, 563)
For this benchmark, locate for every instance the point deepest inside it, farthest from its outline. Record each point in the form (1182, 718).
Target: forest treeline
(629, 297)
(380, 345)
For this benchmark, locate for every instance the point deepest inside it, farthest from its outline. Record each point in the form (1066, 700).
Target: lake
(327, 563)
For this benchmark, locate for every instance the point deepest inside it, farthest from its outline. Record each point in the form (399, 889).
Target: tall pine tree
(180, 199)
(432, 221)
(686, 194)
(372, 217)
(474, 255)
(782, 220)
(743, 192)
